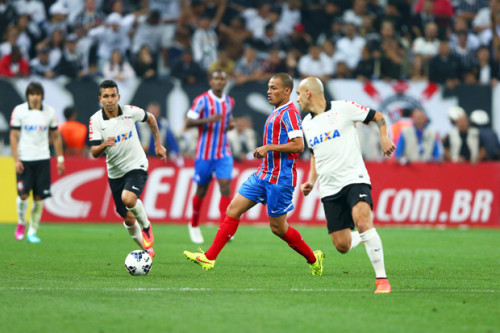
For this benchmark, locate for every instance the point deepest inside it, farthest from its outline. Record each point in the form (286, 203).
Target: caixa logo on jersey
(123, 137)
(324, 137)
(37, 128)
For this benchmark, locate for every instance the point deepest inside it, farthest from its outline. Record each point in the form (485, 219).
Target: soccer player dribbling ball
(273, 183)
(112, 132)
(336, 161)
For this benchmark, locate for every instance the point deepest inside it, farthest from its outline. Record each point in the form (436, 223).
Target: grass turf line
(75, 281)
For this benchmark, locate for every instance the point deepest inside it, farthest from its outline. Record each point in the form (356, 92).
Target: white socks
(36, 214)
(140, 214)
(374, 250)
(135, 232)
(22, 207)
(355, 239)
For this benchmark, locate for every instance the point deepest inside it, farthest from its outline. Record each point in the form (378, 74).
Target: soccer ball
(138, 263)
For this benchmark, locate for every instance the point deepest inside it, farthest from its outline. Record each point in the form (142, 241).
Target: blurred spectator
(442, 11)
(58, 18)
(187, 70)
(11, 40)
(148, 32)
(74, 134)
(318, 18)
(460, 27)
(365, 70)
(274, 63)
(418, 143)
(256, 19)
(289, 16)
(170, 12)
(481, 120)
(13, 64)
(393, 53)
(465, 53)
(428, 45)
(342, 71)
(481, 24)
(71, 63)
(248, 68)
(118, 68)
(243, 139)
(401, 119)
(204, 43)
(420, 19)
(29, 34)
(467, 9)
(328, 48)
(454, 113)
(484, 71)
(114, 35)
(7, 15)
(41, 66)
(299, 40)
(445, 68)
(34, 8)
(166, 135)
(145, 65)
(463, 143)
(55, 43)
(292, 62)
(335, 32)
(223, 63)
(418, 71)
(350, 46)
(269, 41)
(90, 17)
(316, 63)
(356, 13)
(233, 37)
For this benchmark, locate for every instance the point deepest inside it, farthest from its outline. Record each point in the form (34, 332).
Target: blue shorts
(277, 197)
(204, 169)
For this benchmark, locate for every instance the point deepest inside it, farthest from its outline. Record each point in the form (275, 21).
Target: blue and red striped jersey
(283, 125)
(212, 138)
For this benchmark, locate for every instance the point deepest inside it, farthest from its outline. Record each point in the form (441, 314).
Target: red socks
(224, 202)
(296, 242)
(226, 230)
(195, 219)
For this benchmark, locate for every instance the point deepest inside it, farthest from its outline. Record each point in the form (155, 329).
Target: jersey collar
(105, 117)
(328, 107)
(221, 99)
(283, 106)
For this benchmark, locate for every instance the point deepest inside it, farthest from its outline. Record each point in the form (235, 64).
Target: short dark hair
(69, 111)
(286, 80)
(34, 88)
(108, 84)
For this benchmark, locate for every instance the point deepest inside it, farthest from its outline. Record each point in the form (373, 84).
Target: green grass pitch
(75, 281)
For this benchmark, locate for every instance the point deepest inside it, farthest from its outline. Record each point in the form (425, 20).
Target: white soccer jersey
(128, 153)
(34, 128)
(334, 140)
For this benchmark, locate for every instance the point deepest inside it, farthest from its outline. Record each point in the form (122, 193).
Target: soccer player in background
(112, 131)
(211, 113)
(30, 126)
(345, 188)
(273, 183)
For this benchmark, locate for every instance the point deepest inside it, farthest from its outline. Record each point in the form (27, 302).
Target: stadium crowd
(444, 41)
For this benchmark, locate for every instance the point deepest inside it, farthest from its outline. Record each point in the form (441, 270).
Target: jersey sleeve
(15, 119)
(95, 136)
(138, 114)
(293, 125)
(357, 112)
(197, 108)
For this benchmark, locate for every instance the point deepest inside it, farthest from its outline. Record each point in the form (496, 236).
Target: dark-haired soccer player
(273, 183)
(112, 131)
(211, 113)
(30, 126)
(330, 132)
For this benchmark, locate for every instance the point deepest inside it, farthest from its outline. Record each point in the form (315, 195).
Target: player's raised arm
(160, 150)
(388, 147)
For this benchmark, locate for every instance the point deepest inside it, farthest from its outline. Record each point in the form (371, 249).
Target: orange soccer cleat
(148, 238)
(383, 286)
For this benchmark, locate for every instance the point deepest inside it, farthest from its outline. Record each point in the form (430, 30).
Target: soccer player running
(274, 181)
(330, 131)
(211, 113)
(30, 126)
(112, 131)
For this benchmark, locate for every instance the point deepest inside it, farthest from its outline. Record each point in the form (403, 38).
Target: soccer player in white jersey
(330, 133)
(112, 132)
(30, 126)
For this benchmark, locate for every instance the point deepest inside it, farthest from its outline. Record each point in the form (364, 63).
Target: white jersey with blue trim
(127, 154)
(33, 126)
(334, 140)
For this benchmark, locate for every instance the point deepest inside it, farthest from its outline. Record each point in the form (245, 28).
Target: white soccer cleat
(195, 234)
